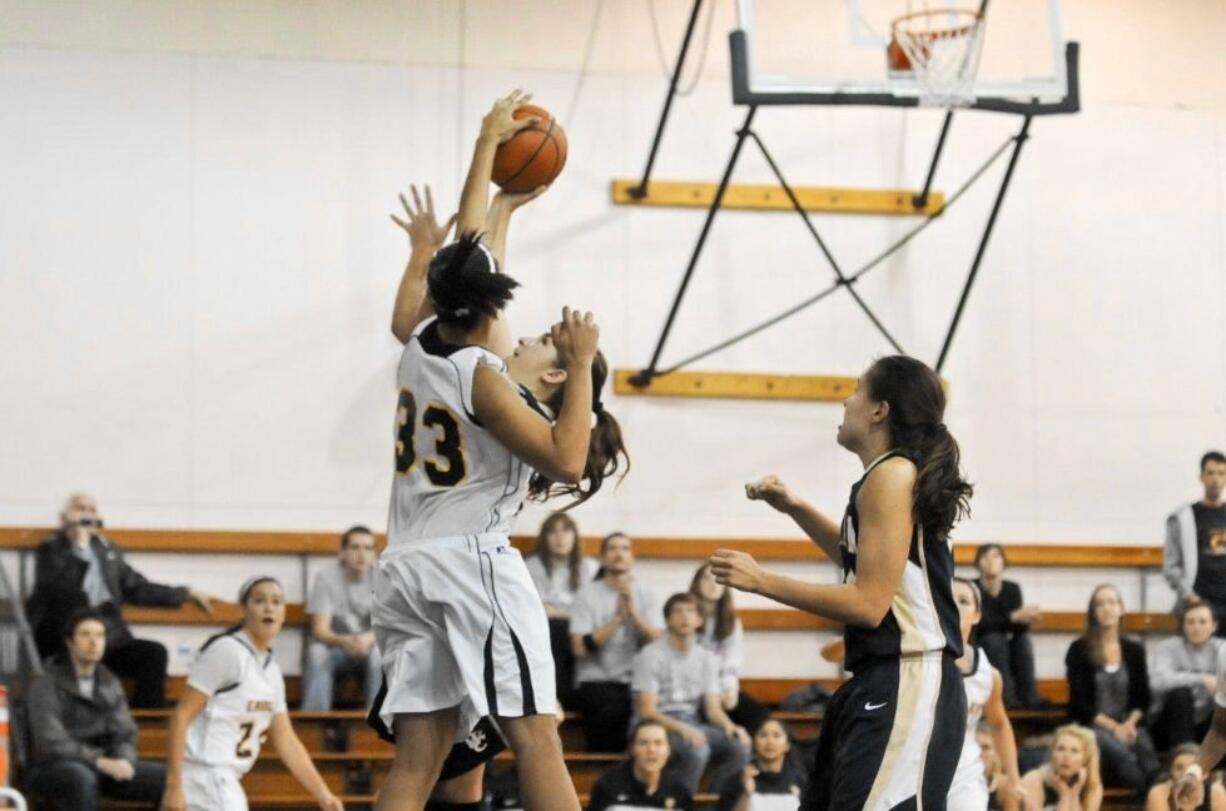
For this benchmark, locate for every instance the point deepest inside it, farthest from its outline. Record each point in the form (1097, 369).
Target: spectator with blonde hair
(1070, 780)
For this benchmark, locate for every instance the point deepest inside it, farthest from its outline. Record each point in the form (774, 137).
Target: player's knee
(532, 733)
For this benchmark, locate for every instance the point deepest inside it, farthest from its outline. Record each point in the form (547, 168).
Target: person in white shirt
(559, 569)
(676, 682)
(235, 697)
(723, 635)
(342, 639)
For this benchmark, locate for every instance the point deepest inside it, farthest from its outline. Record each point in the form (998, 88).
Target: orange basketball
(534, 156)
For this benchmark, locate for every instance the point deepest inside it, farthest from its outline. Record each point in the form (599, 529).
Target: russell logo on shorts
(476, 740)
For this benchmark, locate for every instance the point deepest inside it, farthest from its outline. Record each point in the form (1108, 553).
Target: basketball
(534, 156)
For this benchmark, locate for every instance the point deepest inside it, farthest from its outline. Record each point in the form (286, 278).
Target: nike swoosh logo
(870, 706)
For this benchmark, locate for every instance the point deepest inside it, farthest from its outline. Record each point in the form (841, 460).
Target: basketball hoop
(939, 48)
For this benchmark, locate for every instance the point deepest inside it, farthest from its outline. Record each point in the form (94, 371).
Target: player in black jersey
(892, 734)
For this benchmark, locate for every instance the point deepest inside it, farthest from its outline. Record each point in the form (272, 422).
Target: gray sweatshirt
(1174, 663)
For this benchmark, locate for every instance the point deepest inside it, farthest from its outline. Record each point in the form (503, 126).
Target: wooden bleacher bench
(753, 619)
(325, 543)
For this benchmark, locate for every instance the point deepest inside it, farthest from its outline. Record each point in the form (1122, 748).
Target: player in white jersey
(984, 700)
(481, 425)
(235, 698)
(1190, 791)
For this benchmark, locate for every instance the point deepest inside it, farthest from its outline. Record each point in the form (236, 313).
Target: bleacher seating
(364, 757)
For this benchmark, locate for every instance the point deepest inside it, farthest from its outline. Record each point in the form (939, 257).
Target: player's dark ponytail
(604, 452)
(464, 283)
(917, 406)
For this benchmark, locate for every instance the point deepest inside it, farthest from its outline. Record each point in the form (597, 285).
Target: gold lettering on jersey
(259, 706)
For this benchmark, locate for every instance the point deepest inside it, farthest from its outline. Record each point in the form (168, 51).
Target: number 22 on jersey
(446, 467)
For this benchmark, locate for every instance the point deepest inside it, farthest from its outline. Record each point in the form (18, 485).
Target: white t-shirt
(678, 679)
(554, 587)
(346, 601)
(596, 604)
(729, 652)
(245, 690)
(1219, 697)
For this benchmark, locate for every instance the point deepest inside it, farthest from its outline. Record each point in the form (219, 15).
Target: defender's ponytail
(917, 406)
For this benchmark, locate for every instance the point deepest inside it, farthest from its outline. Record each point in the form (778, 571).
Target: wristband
(589, 643)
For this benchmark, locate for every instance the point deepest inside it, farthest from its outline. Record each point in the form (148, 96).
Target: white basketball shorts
(212, 789)
(969, 790)
(459, 622)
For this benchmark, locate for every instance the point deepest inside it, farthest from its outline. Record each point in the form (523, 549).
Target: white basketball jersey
(245, 690)
(452, 476)
(978, 684)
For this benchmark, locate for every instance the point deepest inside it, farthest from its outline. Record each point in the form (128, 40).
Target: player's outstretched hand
(773, 491)
(420, 222)
(500, 122)
(511, 201)
(576, 337)
(736, 569)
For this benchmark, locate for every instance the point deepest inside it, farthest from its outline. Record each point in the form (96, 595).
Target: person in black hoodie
(1109, 692)
(78, 567)
(84, 738)
(1004, 630)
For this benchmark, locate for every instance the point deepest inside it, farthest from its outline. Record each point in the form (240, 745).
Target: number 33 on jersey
(453, 477)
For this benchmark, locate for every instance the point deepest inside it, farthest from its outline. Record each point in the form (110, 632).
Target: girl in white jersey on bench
(481, 425)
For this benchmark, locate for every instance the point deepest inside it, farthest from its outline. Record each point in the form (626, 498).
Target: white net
(941, 50)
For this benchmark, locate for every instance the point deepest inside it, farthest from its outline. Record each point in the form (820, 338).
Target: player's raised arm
(498, 221)
(820, 529)
(884, 539)
(558, 450)
(426, 236)
(497, 128)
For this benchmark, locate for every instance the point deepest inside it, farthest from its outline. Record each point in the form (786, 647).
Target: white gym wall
(197, 269)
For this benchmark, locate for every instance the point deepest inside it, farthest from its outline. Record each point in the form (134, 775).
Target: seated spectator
(339, 604)
(1183, 678)
(676, 682)
(993, 769)
(1109, 692)
(559, 570)
(723, 635)
(1069, 781)
(1194, 557)
(642, 781)
(78, 567)
(772, 780)
(1213, 795)
(1004, 631)
(84, 738)
(610, 621)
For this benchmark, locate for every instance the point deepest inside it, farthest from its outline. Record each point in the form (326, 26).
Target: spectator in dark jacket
(79, 568)
(1004, 630)
(84, 739)
(1109, 692)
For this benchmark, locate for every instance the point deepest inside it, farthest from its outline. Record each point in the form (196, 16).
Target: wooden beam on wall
(759, 197)
(738, 386)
